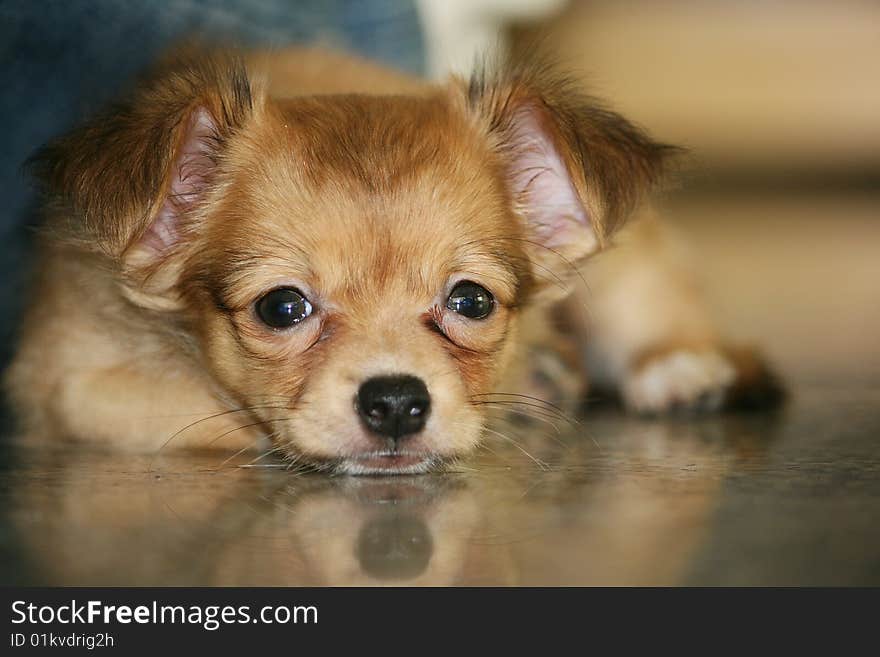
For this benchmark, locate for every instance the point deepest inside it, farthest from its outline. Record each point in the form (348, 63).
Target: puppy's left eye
(282, 308)
(470, 300)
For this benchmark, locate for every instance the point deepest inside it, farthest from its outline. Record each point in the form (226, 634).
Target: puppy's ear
(129, 184)
(574, 169)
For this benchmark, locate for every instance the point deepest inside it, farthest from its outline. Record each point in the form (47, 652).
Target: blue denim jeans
(61, 59)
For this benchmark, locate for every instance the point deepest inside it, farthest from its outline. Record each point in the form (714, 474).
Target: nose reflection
(391, 530)
(394, 545)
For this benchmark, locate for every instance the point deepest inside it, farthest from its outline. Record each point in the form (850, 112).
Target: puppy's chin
(389, 463)
(377, 462)
(367, 459)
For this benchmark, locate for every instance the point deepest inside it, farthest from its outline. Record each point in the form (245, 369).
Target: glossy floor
(789, 497)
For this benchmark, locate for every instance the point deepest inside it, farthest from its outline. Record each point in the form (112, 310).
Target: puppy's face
(357, 282)
(350, 268)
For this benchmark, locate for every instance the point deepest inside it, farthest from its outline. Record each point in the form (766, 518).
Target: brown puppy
(303, 248)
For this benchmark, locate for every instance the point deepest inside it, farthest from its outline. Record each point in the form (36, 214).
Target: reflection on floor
(789, 497)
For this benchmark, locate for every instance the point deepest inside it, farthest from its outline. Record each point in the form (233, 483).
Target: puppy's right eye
(470, 300)
(282, 308)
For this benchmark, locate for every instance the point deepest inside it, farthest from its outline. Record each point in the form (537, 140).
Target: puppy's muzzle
(394, 407)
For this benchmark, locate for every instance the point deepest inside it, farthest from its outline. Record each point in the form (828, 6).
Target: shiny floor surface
(782, 498)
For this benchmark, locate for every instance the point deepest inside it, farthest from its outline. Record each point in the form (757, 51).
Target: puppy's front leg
(136, 410)
(650, 337)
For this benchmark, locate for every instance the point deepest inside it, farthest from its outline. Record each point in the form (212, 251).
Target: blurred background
(777, 102)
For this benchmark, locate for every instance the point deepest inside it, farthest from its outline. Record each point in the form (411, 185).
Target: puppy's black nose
(394, 406)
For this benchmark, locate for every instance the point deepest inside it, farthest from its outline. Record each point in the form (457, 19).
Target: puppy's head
(351, 268)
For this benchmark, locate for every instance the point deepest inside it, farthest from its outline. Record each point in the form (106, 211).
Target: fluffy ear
(126, 183)
(574, 169)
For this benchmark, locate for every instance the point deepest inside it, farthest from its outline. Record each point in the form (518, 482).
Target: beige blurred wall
(773, 83)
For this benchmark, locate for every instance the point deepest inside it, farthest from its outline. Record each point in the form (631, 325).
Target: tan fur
(371, 192)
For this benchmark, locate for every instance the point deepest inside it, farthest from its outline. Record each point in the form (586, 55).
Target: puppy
(303, 248)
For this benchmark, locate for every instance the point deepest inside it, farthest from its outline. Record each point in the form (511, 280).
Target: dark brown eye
(282, 308)
(470, 300)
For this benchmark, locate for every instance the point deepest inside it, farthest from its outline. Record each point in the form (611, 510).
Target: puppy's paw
(695, 381)
(700, 380)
